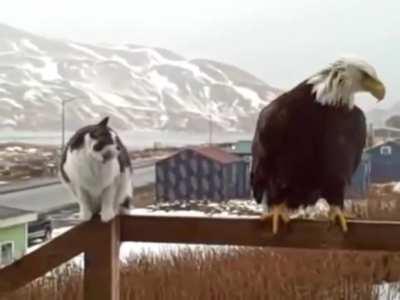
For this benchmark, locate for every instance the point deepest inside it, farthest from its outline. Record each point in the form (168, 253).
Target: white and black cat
(96, 167)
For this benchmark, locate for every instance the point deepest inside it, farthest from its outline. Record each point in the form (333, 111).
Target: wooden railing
(100, 243)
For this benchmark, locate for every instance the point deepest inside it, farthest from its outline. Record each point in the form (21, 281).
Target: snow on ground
(27, 43)
(50, 70)
(134, 69)
(2, 90)
(89, 111)
(396, 187)
(114, 78)
(32, 150)
(87, 51)
(256, 101)
(11, 102)
(157, 59)
(14, 149)
(162, 83)
(9, 122)
(221, 73)
(114, 99)
(388, 291)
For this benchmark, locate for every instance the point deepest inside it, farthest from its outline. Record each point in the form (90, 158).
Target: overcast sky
(280, 41)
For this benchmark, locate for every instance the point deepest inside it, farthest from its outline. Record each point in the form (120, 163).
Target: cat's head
(101, 142)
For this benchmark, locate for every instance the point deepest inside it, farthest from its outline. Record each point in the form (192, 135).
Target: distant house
(385, 161)
(386, 133)
(201, 173)
(243, 149)
(13, 233)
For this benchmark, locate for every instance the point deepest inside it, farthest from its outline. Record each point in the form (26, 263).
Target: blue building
(201, 173)
(361, 179)
(385, 161)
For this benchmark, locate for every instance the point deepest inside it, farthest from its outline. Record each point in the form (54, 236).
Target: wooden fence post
(102, 272)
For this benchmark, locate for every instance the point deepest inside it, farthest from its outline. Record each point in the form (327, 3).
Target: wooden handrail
(100, 242)
(39, 262)
(305, 234)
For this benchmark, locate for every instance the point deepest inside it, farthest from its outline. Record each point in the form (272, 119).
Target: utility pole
(63, 103)
(370, 136)
(210, 125)
(62, 125)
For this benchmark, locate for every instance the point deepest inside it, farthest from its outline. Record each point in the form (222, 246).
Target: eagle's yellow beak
(375, 87)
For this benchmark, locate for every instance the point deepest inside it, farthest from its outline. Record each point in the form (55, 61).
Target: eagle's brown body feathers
(303, 150)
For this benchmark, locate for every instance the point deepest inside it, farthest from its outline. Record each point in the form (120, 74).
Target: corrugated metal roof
(10, 212)
(10, 216)
(211, 152)
(217, 154)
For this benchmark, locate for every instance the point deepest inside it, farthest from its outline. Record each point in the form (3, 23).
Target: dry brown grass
(240, 273)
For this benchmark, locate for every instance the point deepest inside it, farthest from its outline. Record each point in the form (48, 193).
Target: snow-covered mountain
(139, 87)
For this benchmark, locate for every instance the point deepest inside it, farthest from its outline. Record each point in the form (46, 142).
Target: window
(386, 150)
(7, 253)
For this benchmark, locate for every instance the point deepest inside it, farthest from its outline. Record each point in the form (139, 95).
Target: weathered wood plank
(39, 262)
(102, 272)
(305, 234)
(101, 241)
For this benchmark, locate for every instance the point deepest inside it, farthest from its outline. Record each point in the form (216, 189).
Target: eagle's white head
(337, 84)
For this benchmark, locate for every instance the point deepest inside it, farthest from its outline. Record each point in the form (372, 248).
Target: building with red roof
(202, 173)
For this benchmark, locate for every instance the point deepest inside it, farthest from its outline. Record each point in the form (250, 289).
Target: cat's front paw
(125, 207)
(85, 215)
(124, 211)
(107, 215)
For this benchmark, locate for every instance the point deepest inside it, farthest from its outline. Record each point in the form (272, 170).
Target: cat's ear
(103, 122)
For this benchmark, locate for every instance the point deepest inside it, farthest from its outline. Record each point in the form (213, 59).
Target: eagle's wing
(360, 128)
(269, 137)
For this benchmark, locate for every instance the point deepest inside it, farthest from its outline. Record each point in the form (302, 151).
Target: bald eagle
(308, 141)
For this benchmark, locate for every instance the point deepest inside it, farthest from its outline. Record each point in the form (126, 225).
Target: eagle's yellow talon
(337, 213)
(278, 211)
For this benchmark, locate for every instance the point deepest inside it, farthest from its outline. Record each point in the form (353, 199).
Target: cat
(96, 167)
